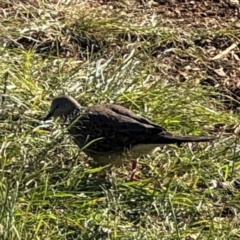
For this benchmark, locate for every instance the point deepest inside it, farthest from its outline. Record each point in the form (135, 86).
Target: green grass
(151, 64)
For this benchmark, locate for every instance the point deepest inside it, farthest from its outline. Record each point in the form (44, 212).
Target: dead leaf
(220, 72)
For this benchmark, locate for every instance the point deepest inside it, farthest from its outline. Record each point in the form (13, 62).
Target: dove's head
(61, 107)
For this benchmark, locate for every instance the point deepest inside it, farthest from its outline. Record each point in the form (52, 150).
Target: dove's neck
(74, 114)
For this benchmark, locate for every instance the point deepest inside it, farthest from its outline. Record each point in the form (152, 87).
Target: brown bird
(111, 134)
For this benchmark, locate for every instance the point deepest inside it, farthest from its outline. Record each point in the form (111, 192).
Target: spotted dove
(111, 134)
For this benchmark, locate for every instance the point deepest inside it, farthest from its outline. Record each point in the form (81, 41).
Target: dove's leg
(133, 172)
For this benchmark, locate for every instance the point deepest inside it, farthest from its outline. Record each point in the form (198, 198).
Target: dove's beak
(47, 116)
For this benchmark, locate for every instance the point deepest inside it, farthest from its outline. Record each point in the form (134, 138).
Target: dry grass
(169, 61)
